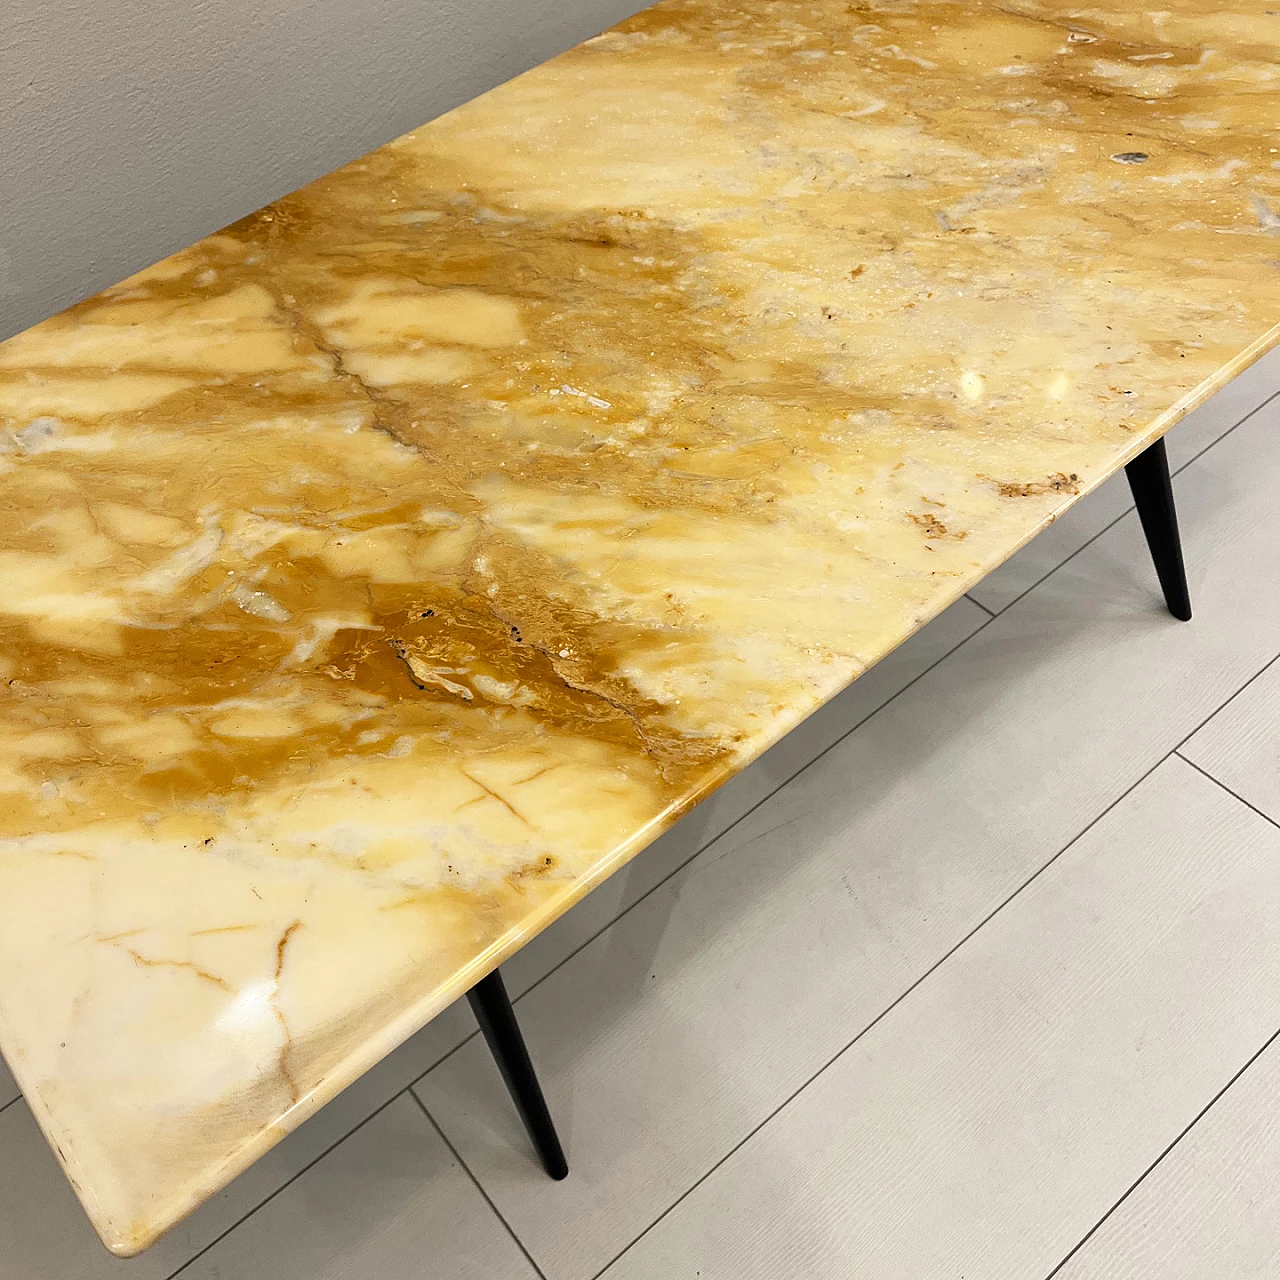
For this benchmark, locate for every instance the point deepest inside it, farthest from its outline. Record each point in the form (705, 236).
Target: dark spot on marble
(1059, 482)
(1130, 157)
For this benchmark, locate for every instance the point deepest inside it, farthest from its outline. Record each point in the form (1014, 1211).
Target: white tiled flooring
(976, 974)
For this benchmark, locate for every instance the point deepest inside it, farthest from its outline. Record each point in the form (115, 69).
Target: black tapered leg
(1153, 493)
(498, 1024)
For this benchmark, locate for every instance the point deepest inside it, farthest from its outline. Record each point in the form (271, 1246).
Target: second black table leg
(498, 1024)
(1152, 490)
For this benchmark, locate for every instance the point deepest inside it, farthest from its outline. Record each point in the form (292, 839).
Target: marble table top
(384, 571)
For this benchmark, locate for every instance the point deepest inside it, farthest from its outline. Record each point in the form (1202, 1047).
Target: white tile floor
(976, 974)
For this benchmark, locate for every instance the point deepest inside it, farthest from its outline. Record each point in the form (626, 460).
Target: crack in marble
(491, 794)
(286, 1074)
(186, 965)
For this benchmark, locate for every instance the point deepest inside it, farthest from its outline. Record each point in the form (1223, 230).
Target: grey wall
(130, 128)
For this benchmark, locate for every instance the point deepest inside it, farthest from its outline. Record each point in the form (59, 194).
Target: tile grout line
(991, 613)
(1257, 408)
(422, 1106)
(1063, 563)
(240, 1221)
(10, 1103)
(1173, 751)
(1261, 671)
(1217, 782)
(1130, 508)
(1088, 1235)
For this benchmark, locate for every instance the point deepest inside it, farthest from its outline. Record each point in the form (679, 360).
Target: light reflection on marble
(381, 573)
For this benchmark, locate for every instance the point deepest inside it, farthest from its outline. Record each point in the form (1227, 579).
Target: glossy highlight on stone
(381, 573)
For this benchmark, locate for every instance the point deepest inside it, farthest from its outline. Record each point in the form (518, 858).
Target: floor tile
(1096, 510)
(390, 1201)
(1211, 1207)
(8, 1089)
(988, 1121)
(669, 1038)
(1240, 746)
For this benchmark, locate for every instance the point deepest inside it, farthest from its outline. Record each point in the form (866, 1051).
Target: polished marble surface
(381, 573)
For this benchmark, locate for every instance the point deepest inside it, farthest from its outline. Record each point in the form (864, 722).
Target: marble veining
(382, 572)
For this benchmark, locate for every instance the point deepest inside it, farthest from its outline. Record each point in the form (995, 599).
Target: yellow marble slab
(380, 574)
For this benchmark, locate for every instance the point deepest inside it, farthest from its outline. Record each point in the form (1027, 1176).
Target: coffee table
(384, 571)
